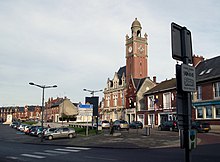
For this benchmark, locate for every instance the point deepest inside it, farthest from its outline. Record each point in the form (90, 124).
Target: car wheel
(159, 128)
(39, 135)
(50, 137)
(70, 135)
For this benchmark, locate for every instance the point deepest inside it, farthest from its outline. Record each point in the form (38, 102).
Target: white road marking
(33, 156)
(56, 152)
(12, 157)
(68, 150)
(78, 148)
(44, 153)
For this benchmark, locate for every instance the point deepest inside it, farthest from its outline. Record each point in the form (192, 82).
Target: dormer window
(208, 71)
(202, 72)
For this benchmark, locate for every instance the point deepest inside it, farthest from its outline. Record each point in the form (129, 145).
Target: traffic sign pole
(185, 78)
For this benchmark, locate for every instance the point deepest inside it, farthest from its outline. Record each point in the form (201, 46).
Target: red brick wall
(207, 91)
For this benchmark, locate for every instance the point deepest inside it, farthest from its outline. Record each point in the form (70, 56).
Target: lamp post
(42, 109)
(92, 92)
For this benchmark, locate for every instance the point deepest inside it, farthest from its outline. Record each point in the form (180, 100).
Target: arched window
(139, 33)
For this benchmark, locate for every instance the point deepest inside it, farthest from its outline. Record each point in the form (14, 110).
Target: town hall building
(122, 97)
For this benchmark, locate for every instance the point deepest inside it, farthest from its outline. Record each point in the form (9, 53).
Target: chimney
(154, 79)
(197, 59)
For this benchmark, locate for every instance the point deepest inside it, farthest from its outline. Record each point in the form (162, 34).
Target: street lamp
(92, 92)
(42, 109)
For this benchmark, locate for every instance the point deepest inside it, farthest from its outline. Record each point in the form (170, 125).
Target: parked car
(201, 126)
(26, 128)
(21, 127)
(28, 131)
(168, 126)
(33, 130)
(105, 124)
(14, 124)
(40, 130)
(95, 124)
(61, 133)
(136, 125)
(120, 124)
(48, 131)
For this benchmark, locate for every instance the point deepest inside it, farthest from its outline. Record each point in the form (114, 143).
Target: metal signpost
(186, 83)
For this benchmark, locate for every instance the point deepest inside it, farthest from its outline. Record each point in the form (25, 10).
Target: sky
(77, 44)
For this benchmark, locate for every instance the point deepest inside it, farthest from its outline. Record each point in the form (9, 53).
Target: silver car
(63, 132)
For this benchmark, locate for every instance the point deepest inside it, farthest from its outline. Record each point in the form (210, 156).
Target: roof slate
(121, 71)
(163, 86)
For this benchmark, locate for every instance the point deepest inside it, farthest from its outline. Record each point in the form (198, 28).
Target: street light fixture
(92, 92)
(42, 109)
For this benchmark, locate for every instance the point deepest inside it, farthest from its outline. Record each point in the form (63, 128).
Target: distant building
(60, 109)
(21, 113)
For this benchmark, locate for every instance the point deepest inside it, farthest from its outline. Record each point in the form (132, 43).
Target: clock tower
(136, 53)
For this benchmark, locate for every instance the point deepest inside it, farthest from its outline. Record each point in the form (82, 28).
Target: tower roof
(136, 23)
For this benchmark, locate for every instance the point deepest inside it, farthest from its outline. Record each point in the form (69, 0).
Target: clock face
(141, 48)
(130, 49)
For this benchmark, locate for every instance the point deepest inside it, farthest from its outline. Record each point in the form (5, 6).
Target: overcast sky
(80, 44)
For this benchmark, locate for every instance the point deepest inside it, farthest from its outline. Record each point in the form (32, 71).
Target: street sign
(188, 78)
(85, 110)
(181, 43)
(192, 139)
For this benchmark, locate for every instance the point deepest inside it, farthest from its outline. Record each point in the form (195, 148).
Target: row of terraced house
(55, 110)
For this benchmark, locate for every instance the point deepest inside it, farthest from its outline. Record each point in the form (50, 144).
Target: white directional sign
(188, 78)
(85, 110)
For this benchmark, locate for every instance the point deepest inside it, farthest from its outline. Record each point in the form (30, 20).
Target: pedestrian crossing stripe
(43, 154)
(56, 152)
(33, 156)
(68, 150)
(78, 148)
